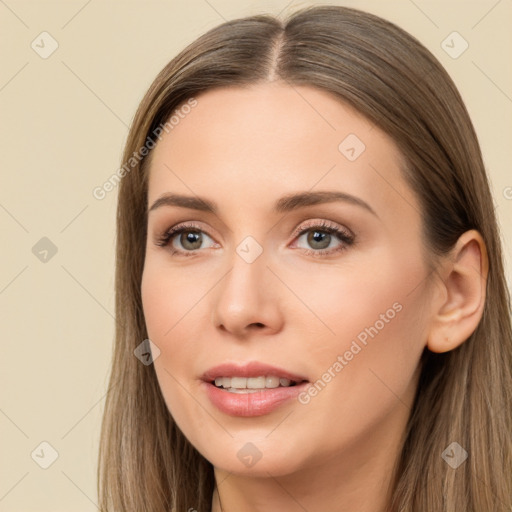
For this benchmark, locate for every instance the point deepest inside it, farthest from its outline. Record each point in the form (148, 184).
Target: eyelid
(321, 223)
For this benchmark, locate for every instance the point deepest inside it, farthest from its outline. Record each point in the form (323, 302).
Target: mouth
(251, 389)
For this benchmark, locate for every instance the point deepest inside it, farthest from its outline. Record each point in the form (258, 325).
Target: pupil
(191, 238)
(316, 237)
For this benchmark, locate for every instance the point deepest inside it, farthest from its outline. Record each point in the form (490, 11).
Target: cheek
(375, 300)
(374, 376)
(172, 306)
(168, 306)
(170, 297)
(368, 367)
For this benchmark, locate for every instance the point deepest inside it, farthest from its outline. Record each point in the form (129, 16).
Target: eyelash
(343, 235)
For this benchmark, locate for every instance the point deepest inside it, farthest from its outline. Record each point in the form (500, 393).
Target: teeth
(239, 382)
(251, 384)
(244, 391)
(271, 382)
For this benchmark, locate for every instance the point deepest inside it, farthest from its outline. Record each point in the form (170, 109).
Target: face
(322, 295)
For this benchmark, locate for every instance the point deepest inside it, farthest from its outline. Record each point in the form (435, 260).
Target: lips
(251, 389)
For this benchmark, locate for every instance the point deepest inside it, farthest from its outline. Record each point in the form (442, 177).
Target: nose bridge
(243, 283)
(243, 296)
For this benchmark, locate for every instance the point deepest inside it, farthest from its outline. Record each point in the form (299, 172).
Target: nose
(247, 299)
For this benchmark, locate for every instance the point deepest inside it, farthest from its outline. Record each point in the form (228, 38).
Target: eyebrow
(284, 204)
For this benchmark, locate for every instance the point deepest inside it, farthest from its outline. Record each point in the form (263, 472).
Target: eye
(189, 236)
(322, 235)
(187, 239)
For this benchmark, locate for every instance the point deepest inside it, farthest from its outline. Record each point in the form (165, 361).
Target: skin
(244, 148)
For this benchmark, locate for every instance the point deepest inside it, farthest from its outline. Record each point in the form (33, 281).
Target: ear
(460, 298)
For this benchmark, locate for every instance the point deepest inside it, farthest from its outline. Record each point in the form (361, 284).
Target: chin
(256, 459)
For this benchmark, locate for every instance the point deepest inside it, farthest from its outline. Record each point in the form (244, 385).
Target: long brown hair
(464, 396)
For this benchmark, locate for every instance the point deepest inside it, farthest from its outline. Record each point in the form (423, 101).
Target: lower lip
(252, 404)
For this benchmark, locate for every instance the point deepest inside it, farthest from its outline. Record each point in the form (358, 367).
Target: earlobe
(458, 313)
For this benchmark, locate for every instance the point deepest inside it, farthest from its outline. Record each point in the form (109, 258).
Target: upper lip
(250, 369)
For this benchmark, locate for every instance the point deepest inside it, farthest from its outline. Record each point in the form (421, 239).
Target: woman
(311, 304)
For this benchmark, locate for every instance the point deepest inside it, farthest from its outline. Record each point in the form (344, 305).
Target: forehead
(251, 145)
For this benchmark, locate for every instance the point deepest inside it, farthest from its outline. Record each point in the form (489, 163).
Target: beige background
(64, 122)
